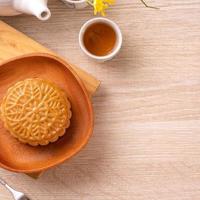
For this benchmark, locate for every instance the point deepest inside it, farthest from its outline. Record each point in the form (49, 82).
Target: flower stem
(146, 5)
(89, 2)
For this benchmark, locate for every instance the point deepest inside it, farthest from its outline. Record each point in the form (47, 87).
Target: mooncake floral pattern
(36, 111)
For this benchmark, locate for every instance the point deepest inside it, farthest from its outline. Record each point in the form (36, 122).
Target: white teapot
(33, 7)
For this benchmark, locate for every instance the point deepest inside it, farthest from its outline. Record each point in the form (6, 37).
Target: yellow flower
(101, 5)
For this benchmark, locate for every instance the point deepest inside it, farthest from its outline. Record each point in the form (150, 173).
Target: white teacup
(118, 42)
(77, 4)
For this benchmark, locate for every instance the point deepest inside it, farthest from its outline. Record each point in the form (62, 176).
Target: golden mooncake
(36, 111)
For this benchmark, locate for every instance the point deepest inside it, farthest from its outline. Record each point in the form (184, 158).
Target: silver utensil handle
(16, 194)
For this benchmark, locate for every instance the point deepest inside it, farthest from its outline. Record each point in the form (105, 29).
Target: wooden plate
(19, 157)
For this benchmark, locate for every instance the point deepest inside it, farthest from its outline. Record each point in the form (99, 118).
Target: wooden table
(146, 142)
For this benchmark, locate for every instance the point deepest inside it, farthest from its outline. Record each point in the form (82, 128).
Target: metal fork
(16, 194)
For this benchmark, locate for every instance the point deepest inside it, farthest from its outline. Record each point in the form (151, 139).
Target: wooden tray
(14, 43)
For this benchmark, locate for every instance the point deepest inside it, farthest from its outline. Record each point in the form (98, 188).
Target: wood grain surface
(146, 142)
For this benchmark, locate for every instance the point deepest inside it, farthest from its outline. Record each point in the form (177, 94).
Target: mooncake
(36, 111)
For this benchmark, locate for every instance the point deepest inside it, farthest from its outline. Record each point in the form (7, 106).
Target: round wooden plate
(19, 157)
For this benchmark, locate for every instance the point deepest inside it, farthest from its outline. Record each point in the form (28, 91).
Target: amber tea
(99, 39)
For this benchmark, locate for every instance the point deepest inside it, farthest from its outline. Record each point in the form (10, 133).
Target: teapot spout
(34, 7)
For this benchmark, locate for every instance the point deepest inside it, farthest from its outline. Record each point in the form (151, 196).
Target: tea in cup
(100, 39)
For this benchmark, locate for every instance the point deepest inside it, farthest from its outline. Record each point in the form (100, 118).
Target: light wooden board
(14, 44)
(146, 142)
